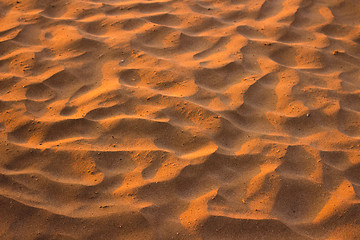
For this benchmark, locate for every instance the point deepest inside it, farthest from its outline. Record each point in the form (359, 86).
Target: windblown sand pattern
(212, 119)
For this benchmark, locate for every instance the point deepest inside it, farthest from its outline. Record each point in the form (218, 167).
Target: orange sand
(171, 119)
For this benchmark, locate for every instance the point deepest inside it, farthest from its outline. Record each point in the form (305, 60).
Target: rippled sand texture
(213, 119)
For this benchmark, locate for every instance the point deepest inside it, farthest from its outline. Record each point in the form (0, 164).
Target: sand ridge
(169, 119)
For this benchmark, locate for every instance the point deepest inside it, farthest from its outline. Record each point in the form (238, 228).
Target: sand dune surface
(179, 119)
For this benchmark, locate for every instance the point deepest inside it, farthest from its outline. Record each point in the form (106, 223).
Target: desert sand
(171, 119)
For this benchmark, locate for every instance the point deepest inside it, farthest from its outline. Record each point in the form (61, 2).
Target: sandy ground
(171, 119)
